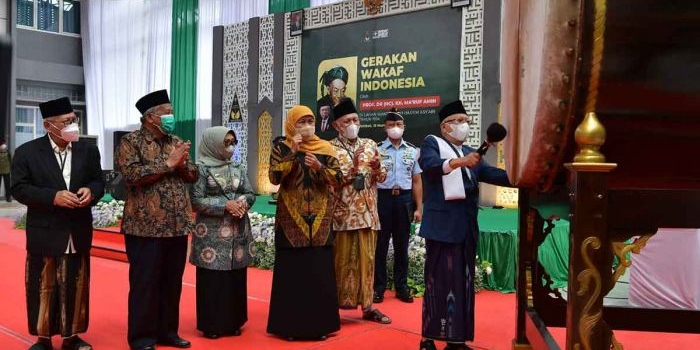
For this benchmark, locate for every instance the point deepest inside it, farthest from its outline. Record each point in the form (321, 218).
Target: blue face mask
(167, 123)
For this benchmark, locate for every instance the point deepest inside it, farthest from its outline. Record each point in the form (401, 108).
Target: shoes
(212, 335)
(42, 344)
(456, 346)
(375, 315)
(427, 344)
(175, 342)
(378, 297)
(147, 347)
(404, 296)
(75, 343)
(321, 338)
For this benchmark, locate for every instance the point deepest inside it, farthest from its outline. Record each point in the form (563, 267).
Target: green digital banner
(408, 61)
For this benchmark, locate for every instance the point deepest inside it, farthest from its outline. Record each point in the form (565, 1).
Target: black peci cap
(344, 108)
(451, 108)
(155, 98)
(55, 107)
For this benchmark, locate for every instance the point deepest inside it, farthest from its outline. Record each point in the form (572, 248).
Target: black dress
(222, 308)
(304, 302)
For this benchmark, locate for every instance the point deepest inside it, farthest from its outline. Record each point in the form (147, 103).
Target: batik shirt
(357, 209)
(304, 194)
(221, 241)
(157, 200)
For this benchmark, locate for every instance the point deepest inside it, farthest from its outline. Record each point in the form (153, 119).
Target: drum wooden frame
(628, 62)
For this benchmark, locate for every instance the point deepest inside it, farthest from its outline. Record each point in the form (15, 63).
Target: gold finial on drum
(590, 135)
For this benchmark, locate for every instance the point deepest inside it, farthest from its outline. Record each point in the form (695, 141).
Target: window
(25, 124)
(71, 16)
(58, 16)
(25, 13)
(29, 124)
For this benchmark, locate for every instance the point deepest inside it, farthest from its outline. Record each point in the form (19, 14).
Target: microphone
(495, 133)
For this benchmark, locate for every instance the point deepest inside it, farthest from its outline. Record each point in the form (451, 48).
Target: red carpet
(109, 288)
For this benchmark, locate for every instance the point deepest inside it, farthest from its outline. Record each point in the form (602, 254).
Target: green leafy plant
(263, 229)
(21, 221)
(482, 269)
(416, 264)
(107, 214)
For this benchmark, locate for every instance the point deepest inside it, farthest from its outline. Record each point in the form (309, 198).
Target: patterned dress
(221, 249)
(303, 302)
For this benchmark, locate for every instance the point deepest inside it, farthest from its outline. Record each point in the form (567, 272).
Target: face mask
(395, 133)
(350, 132)
(228, 151)
(3, 147)
(167, 123)
(459, 131)
(70, 133)
(305, 131)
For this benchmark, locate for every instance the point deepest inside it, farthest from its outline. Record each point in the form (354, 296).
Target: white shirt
(446, 168)
(64, 160)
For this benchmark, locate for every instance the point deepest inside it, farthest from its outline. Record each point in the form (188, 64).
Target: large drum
(636, 63)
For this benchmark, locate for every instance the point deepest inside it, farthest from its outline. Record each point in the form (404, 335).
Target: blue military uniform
(395, 206)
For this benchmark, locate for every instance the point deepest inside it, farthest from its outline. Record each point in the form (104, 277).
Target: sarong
(448, 303)
(354, 267)
(57, 294)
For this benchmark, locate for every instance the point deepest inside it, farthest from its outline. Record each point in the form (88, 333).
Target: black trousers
(156, 266)
(395, 215)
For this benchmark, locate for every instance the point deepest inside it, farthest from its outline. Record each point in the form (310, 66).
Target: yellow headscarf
(311, 145)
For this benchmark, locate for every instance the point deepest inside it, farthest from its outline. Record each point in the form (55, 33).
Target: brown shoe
(375, 315)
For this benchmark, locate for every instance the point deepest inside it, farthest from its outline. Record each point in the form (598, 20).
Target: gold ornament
(373, 6)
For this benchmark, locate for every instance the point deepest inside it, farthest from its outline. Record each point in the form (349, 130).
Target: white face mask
(228, 151)
(394, 133)
(306, 131)
(459, 131)
(3, 147)
(71, 133)
(350, 132)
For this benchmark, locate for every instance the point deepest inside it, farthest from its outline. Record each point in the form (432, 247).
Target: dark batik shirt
(300, 199)
(157, 199)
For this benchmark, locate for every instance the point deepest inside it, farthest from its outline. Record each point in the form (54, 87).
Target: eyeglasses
(232, 142)
(460, 120)
(69, 121)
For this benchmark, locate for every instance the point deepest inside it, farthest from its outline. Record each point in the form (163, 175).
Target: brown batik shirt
(157, 199)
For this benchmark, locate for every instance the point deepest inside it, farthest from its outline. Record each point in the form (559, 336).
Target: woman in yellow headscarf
(303, 283)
